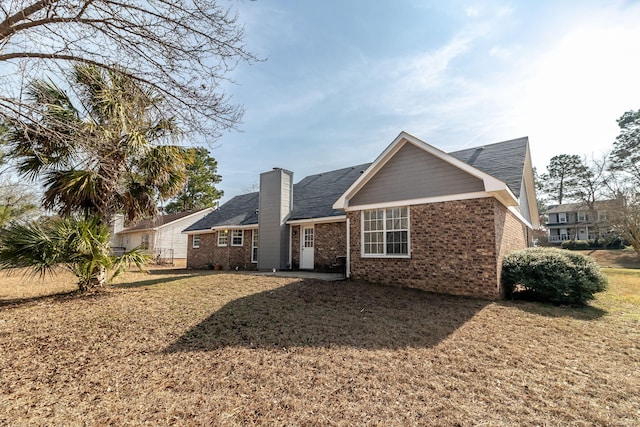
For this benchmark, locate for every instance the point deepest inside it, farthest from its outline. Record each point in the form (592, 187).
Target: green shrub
(553, 275)
(575, 245)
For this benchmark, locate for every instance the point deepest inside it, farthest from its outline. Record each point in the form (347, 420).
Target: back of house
(416, 217)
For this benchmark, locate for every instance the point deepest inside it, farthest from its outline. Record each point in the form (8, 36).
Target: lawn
(210, 348)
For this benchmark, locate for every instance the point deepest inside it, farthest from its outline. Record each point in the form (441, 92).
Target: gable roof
(500, 166)
(160, 221)
(314, 195)
(493, 185)
(503, 160)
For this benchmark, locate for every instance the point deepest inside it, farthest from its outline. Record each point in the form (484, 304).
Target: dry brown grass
(620, 258)
(232, 349)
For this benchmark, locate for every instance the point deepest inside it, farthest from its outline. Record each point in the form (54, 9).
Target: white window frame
(385, 232)
(195, 243)
(562, 217)
(582, 216)
(254, 246)
(223, 237)
(234, 236)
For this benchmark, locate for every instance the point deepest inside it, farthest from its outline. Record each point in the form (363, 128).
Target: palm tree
(101, 150)
(78, 245)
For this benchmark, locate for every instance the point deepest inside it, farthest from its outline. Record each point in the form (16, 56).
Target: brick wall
(454, 249)
(295, 246)
(511, 234)
(330, 242)
(229, 257)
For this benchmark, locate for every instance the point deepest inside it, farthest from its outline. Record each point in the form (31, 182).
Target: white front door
(306, 248)
(582, 234)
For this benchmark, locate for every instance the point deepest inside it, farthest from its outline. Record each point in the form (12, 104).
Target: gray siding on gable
(524, 202)
(413, 173)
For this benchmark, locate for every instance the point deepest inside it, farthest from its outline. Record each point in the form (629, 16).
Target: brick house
(415, 217)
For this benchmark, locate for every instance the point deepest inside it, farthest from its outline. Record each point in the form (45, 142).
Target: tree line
(614, 175)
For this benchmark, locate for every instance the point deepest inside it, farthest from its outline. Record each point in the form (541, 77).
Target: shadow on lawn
(76, 295)
(581, 312)
(151, 282)
(312, 313)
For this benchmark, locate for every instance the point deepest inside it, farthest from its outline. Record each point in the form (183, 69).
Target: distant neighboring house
(415, 217)
(576, 221)
(161, 236)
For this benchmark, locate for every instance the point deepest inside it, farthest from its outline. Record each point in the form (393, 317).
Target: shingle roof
(581, 206)
(502, 160)
(150, 223)
(313, 197)
(241, 210)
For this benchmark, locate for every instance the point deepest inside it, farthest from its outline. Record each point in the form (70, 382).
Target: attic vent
(362, 171)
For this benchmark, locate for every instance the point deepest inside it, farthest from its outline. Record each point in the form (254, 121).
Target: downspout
(347, 263)
(290, 245)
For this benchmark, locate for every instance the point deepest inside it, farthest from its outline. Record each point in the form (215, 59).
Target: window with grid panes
(236, 237)
(385, 232)
(223, 237)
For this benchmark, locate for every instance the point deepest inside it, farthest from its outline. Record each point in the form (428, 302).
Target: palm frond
(30, 246)
(136, 256)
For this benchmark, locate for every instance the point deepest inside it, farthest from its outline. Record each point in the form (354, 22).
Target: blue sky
(342, 79)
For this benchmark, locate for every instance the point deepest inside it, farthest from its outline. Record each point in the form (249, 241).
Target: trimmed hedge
(576, 245)
(608, 242)
(552, 275)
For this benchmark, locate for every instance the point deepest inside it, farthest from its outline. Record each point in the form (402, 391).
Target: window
(385, 232)
(144, 241)
(196, 241)
(236, 237)
(254, 246)
(223, 237)
(562, 217)
(582, 216)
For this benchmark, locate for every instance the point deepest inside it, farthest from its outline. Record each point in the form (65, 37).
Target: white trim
(424, 201)
(222, 227)
(241, 237)
(218, 239)
(347, 262)
(384, 231)
(253, 232)
(302, 245)
(517, 213)
(193, 241)
(491, 184)
(530, 188)
(337, 218)
(291, 248)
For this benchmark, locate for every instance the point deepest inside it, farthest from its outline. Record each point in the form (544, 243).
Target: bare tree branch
(185, 50)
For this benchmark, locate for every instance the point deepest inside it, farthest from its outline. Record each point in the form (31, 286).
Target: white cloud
(579, 87)
(472, 11)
